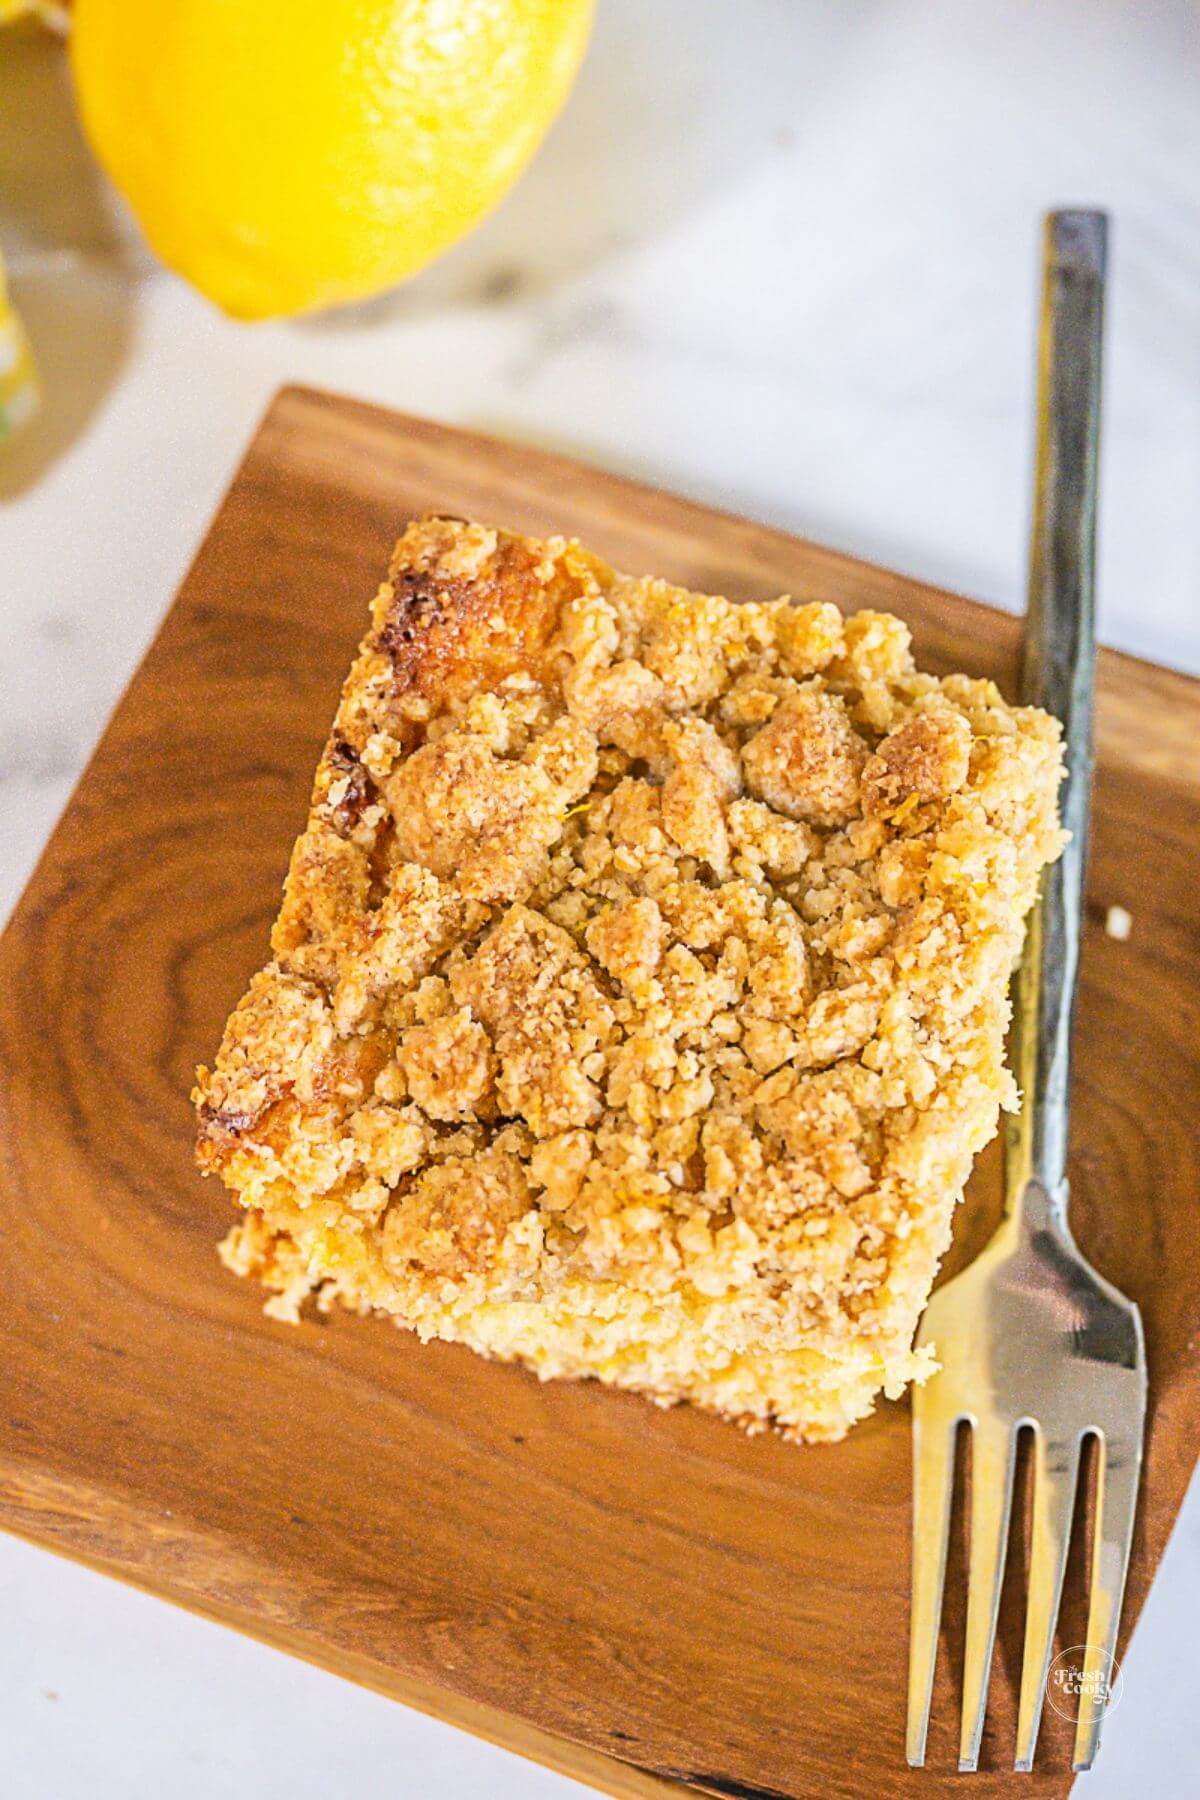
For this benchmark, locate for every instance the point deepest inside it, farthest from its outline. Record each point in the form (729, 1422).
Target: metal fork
(1030, 1335)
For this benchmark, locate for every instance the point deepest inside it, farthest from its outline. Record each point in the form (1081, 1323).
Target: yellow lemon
(286, 155)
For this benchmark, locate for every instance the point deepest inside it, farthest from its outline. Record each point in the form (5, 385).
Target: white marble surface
(780, 255)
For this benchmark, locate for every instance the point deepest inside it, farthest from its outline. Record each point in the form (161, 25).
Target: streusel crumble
(638, 997)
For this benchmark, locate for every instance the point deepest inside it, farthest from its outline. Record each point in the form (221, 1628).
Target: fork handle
(1057, 669)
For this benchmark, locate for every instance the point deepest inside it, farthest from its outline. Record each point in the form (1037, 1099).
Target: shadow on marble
(55, 204)
(70, 258)
(82, 329)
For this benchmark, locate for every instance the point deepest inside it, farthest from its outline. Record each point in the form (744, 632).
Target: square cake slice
(637, 1002)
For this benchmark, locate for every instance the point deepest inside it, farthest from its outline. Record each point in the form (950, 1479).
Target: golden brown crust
(463, 607)
(638, 992)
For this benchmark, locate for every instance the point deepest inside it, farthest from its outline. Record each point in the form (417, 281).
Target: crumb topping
(639, 937)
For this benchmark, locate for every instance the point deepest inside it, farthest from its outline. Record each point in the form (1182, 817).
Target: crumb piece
(1118, 924)
(927, 758)
(449, 1067)
(807, 760)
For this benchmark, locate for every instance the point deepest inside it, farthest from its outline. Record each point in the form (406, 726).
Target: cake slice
(637, 1002)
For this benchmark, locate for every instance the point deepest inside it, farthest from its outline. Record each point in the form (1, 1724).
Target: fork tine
(1116, 1500)
(1056, 1471)
(933, 1481)
(992, 1459)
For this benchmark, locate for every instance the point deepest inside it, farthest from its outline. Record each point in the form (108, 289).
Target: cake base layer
(682, 1346)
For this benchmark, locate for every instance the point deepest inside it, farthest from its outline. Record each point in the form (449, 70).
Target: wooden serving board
(648, 1600)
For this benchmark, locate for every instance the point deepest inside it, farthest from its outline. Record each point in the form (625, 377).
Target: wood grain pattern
(649, 1600)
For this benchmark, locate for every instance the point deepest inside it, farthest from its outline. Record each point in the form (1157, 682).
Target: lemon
(286, 155)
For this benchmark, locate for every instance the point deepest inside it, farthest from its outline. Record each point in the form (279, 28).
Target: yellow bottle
(18, 379)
